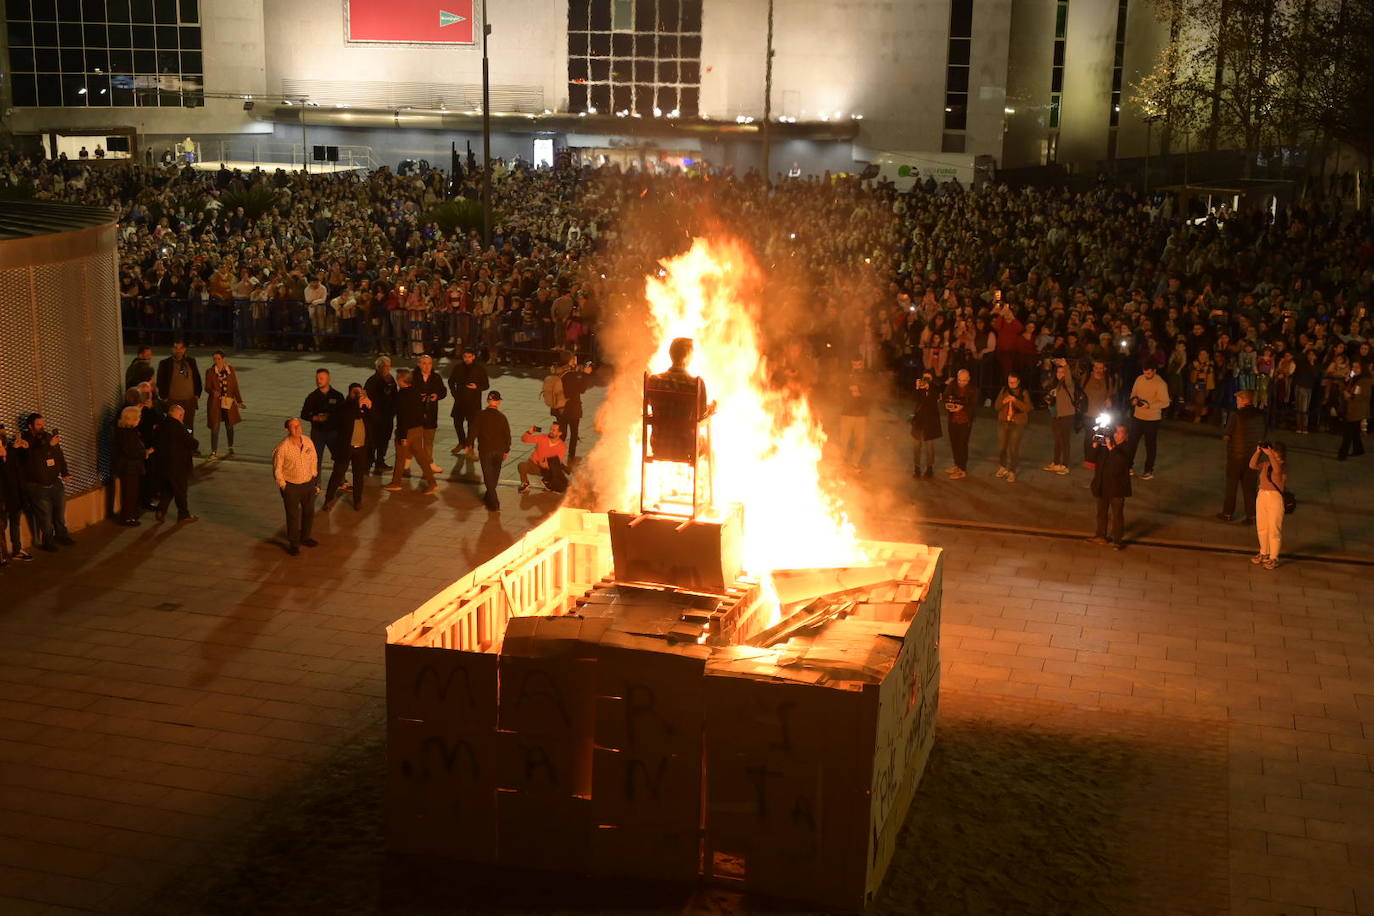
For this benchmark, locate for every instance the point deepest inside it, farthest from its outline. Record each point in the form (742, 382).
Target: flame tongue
(766, 443)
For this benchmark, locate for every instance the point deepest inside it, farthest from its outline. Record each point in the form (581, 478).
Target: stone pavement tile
(238, 679)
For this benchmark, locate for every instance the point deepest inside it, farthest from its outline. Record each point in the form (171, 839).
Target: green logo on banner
(904, 170)
(447, 18)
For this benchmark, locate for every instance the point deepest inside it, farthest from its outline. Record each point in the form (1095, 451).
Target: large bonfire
(766, 441)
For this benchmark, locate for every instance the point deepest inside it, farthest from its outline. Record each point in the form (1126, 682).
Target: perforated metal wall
(60, 355)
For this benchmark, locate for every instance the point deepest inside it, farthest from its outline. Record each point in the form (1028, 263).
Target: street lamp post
(486, 135)
(1149, 124)
(768, 104)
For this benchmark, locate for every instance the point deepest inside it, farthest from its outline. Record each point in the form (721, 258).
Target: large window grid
(1118, 62)
(634, 56)
(105, 53)
(1061, 31)
(957, 74)
(956, 65)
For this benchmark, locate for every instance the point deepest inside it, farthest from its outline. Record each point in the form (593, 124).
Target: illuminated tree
(1230, 67)
(1337, 92)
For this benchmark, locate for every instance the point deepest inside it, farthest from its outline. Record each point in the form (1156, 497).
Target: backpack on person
(555, 476)
(554, 396)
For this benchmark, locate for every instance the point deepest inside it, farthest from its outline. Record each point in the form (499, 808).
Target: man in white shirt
(1149, 397)
(295, 467)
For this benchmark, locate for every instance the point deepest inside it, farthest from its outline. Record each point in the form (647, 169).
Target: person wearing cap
(295, 470)
(492, 437)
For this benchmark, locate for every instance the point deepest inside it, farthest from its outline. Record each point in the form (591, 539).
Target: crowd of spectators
(1077, 294)
(940, 278)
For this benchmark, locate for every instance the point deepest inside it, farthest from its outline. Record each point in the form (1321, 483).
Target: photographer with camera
(547, 460)
(925, 423)
(1269, 462)
(1354, 410)
(1244, 430)
(42, 474)
(960, 400)
(1097, 399)
(1149, 397)
(1111, 484)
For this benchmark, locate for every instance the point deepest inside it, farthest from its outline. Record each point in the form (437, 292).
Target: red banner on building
(427, 21)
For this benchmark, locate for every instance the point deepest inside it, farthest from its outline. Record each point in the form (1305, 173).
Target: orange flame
(766, 443)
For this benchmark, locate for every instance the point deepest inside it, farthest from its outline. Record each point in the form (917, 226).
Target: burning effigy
(713, 679)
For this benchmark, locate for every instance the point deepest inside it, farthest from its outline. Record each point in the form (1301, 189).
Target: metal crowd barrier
(278, 324)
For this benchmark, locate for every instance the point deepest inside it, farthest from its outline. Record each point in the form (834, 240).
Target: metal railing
(283, 324)
(270, 154)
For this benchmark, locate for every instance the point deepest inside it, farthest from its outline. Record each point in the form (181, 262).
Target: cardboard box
(606, 730)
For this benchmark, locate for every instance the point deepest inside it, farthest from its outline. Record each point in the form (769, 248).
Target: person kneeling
(547, 460)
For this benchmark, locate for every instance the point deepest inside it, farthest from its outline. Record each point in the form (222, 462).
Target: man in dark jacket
(925, 423)
(42, 475)
(354, 446)
(410, 434)
(11, 502)
(381, 391)
(141, 369)
(322, 408)
(961, 399)
(493, 447)
(430, 389)
(179, 382)
(466, 381)
(1244, 430)
(173, 453)
(1111, 486)
(576, 380)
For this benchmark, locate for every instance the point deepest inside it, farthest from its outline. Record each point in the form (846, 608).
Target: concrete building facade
(1025, 83)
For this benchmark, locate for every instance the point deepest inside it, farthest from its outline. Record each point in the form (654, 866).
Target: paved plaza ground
(190, 719)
